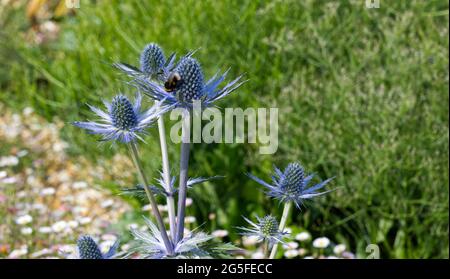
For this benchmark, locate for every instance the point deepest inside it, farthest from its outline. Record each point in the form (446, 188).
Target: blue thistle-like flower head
(153, 64)
(265, 229)
(185, 84)
(190, 85)
(152, 60)
(88, 249)
(123, 121)
(291, 185)
(123, 114)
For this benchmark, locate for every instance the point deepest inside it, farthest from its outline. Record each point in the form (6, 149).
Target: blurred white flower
(291, 253)
(309, 258)
(212, 216)
(302, 252)
(59, 226)
(73, 224)
(109, 237)
(288, 230)
(190, 219)
(339, 249)
(239, 257)
(188, 202)
(27, 111)
(8, 161)
(133, 226)
(162, 207)
(258, 255)
(45, 230)
(249, 240)
(20, 194)
(80, 185)
(22, 153)
(220, 233)
(39, 207)
(9, 180)
(332, 258)
(3, 174)
(107, 203)
(17, 253)
(290, 245)
(23, 220)
(125, 247)
(321, 242)
(68, 249)
(48, 191)
(80, 210)
(147, 207)
(84, 220)
(26, 230)
(303, 236)
(105, 245)
(348, 255)
(41, 253)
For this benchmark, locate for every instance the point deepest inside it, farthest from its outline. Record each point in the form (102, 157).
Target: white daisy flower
(321, 242)
(45, 230)
(59, 226)
(291, 253)
(339, 249)
(303, 236)
(26, 230)
(49, 191)
(24, 219)
(220, 233)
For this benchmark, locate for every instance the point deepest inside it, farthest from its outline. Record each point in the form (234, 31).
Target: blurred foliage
(362, 95)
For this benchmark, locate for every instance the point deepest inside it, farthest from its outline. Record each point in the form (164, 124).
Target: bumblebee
(172, 82)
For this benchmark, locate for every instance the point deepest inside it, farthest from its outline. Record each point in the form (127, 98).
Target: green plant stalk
(286, 210)
(166, 176)
(151, 198)
(266, 248)
(182, 188)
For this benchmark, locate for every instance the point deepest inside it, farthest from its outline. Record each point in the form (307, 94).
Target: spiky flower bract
(153, 64)
(188, 86)
(265, 229)
(149, 245)
(123, 121)
(88, 249)
(291, 185)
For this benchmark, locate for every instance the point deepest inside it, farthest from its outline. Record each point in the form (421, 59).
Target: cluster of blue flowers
(177, 84)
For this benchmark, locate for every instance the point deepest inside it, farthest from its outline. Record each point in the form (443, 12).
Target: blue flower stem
(151, 197)
(184, 166)
(166, 176)
(284, 216)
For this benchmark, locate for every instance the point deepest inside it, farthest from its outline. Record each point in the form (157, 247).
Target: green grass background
(362, 95)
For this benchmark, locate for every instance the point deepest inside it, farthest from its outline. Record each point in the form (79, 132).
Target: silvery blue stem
(151, 197)
(166, 176)
(286, 210)
(184, 166)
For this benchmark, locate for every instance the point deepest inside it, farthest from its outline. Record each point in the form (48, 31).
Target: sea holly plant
(290, 186)
(173, 84)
